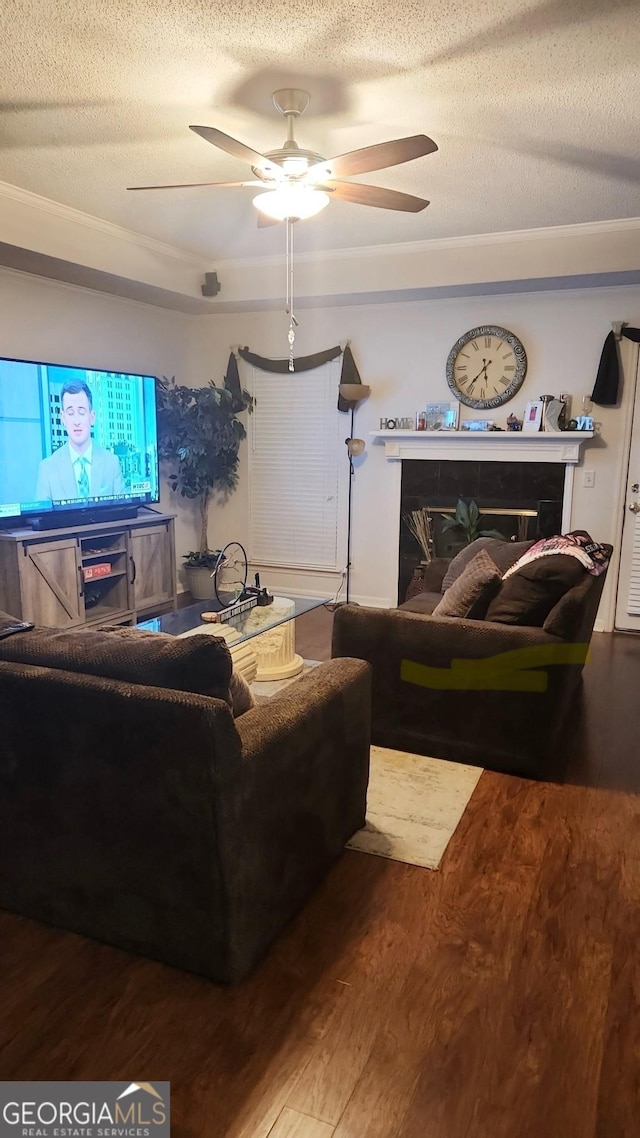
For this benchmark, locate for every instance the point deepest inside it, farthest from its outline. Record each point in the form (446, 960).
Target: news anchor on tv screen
(80, 469)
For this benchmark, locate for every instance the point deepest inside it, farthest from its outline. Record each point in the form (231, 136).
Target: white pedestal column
(245, 661)
(275, 648)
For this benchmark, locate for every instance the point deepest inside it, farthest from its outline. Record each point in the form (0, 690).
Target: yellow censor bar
(506, 671)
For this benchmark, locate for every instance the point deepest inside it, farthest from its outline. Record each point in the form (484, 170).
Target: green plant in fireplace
(468, 520)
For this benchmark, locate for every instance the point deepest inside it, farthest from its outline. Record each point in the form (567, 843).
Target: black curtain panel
(350, 374)
(607, 386)
(232, 381)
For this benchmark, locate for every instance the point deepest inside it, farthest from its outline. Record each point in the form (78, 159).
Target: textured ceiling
(535, 107)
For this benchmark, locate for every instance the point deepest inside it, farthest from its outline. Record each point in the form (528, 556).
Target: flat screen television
(76, 444)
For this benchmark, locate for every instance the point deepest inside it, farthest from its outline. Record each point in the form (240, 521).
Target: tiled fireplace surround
(532, 486)
(521, 473)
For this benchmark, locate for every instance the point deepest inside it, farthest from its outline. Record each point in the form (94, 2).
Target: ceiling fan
(298, 183)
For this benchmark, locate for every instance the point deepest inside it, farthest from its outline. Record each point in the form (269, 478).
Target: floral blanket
(589, 553)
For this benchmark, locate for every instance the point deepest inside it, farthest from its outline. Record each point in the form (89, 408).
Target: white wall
(401, 350)
(59, 323)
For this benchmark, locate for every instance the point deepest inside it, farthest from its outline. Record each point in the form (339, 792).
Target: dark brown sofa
(150, 819)
(425, 701)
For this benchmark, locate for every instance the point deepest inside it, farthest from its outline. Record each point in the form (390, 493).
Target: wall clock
(486, 366)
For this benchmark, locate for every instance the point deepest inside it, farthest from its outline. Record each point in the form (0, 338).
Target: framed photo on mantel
(532, 417)
(477, 424)
(442, 416)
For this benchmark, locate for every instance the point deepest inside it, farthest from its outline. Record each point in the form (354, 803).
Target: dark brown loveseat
(439, 690)
(150, 819)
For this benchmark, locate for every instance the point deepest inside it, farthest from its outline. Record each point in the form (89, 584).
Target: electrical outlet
(589, 478)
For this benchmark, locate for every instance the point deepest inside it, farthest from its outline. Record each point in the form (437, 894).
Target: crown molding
(72, 244)
(430, 245)
(469, 241)
(89, 221)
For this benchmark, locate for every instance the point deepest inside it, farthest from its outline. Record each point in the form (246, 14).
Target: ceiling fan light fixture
(295, 166)
(293, 202)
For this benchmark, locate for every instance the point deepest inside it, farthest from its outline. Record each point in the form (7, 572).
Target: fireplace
(518, 500)
(496, 460)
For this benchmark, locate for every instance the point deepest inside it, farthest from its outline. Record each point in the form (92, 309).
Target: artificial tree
(199, 433)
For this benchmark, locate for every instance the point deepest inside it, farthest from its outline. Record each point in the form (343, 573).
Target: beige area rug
(414, 805)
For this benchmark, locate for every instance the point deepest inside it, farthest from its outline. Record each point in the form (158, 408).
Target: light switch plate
(589, 478)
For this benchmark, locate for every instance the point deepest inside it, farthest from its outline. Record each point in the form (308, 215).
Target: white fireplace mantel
(487, 446)
(475, 446)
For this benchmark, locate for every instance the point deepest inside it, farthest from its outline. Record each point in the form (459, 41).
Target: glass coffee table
(261, 639)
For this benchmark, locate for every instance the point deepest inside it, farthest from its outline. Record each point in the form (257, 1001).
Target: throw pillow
(528, 595)
(503, 553)
(471, 593)
(242, 698)
(569, 615)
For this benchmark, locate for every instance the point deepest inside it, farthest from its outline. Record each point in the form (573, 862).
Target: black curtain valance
(349, 372)
(301, 363)
(606, 389)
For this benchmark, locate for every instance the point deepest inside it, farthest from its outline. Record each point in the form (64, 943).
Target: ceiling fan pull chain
(291, 335)
(287, 306)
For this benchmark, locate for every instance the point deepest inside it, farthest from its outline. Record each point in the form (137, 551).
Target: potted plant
(199, 434)
(467, 521)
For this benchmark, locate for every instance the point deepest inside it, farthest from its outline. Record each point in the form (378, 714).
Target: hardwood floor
(496, 998)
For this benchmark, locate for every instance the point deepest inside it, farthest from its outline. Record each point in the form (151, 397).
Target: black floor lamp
(353, 393)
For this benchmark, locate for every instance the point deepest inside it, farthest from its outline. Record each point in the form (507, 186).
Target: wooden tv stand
(44, 574)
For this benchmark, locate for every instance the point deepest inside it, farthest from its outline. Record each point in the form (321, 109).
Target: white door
(628, 603)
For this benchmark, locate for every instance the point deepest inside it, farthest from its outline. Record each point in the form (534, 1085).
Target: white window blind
(294, 468)
(633, 599)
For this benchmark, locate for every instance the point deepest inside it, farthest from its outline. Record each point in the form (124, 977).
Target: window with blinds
(294, 466)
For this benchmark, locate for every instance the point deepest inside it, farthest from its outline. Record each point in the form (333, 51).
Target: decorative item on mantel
(583, 423)
(532, 416)
(442, 416)
(405, 424)
(545, 400)
(477, 425)
(552, 414)
(556, 415)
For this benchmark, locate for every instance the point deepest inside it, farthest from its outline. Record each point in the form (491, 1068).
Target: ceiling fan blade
(377, 157)
(236, 148)
(193, 185)
(376, 196)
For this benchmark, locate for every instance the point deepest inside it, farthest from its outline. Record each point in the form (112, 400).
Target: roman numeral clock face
(486, 367)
